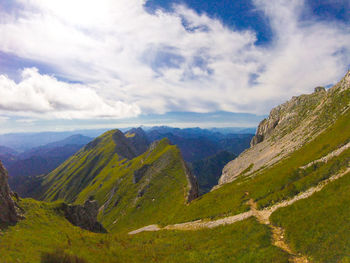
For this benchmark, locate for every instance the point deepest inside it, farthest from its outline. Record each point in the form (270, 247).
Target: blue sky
(185, 63)
(242, 14)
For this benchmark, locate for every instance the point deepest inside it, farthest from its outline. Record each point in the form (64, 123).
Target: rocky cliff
(289, 126)
(84, 216)
(8, 209)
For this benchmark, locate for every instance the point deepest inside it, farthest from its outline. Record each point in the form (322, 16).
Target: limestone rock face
(8, 210)
(84, 216)
(288, 127)
(266, 127)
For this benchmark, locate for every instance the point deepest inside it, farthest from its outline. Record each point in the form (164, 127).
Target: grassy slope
(45, 230)
(319, 226)
(99, 171)
(78, 171)
(279, 182)
(271, 185)
(156, 198)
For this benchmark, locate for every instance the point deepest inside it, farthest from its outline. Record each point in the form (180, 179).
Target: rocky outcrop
(289, 126)
(9, 211)
(84, 216)
(266, 127)
(287, 116)
(320, 89)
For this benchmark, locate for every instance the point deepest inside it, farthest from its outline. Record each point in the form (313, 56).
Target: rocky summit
(290, 126)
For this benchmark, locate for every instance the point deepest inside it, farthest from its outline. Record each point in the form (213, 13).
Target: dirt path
(145, 229)
(263, 216)
(278, 237)
(329, 156)
(268, 211)
(194, 225)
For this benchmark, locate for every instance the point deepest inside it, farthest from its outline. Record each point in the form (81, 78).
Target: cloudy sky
(106, 63)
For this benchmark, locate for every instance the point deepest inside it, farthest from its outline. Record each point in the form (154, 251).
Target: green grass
(164, 199)
(319, 226)
(98, 171)
(45, 231)
(276, 183)
(77, 172)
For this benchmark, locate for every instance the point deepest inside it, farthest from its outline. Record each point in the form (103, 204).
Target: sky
(106, 63)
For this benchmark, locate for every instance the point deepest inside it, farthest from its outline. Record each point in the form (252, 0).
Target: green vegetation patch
(147, 189)
(45, 231)
(280, 182)
(319, 226)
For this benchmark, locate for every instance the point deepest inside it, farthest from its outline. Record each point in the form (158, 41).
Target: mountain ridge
(285, 130)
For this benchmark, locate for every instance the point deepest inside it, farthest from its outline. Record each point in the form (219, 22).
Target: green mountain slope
(131, 189)
(319, 226)
(70, 178)
(290, 126)
(45, 231)
(278, 182)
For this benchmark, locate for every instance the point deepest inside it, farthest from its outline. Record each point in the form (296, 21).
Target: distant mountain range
(21, 142)
(195, 145)
(40, 160)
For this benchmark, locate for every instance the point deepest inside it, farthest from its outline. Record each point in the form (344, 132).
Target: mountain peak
(289, 126)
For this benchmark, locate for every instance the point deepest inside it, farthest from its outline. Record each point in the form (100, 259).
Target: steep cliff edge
(289, 126)
(8, 210)
(84, 216)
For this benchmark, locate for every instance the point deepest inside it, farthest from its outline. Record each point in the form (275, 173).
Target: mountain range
(285, 199)
(195, 144)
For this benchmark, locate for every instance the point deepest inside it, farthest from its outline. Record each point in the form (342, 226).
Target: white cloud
(45, 96)
(130, 60)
